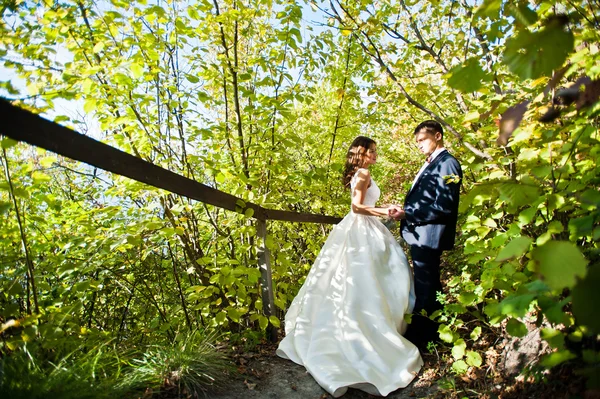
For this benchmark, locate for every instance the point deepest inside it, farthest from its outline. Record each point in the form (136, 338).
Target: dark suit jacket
(431, 205)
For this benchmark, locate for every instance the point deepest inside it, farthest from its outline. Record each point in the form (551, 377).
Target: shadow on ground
(270, 377)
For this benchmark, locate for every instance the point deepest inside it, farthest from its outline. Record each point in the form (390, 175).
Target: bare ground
(267, 376)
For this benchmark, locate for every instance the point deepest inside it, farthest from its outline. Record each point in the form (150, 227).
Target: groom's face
(427, 142)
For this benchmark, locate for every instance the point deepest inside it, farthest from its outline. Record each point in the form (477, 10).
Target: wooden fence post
(266, 280)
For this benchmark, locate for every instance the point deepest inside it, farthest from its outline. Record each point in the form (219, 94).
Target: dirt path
(266, 376)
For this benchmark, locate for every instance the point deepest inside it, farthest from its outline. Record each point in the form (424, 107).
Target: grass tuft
(191, 367)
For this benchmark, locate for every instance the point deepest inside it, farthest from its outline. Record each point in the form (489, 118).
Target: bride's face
(370, 156)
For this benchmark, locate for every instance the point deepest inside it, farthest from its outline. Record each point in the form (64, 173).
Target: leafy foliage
(254, 99)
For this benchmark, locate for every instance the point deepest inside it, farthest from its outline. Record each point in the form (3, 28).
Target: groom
(428, 225)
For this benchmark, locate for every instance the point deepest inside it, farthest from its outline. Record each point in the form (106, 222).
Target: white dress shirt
(426, 164)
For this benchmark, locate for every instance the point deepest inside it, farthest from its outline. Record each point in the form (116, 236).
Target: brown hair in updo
(355, 158)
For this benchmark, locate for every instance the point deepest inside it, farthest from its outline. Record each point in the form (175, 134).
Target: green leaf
(581, 227)
(586, 297)
(515, 328)
(516, 248)
(458, 350)
(7, 143)
(517, 193)
(553, 310)
(220, 178)
(249, 212)
(490, 8)
(221, 317)
(474, 359)
(192, 78)
(133, 240)
(269, 242)
(516, 305)
(591, 197)
(263, 322)
(556, 358)
(280, 303)
(274, 321)
(468, 77)
(98, 47)
(82, 286)
(89, 105)
(460, 367)
(39, 177)
(471, 116)
(446, 334)
(233, 314)
(555, 338)
(4, 206)
(476, 333)
(531, 55)
(559, 263)
(523, 14)
(554, 227)
(46, 162)
(137, 70)
(467, 298)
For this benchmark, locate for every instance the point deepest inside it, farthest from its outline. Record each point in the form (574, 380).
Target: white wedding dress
(345, 324)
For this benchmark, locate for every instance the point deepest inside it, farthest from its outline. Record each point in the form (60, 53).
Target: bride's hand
(396, 212)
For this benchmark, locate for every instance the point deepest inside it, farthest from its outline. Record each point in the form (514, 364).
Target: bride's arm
(358, 196)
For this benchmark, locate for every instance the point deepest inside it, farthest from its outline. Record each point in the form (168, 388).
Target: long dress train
(345, 325)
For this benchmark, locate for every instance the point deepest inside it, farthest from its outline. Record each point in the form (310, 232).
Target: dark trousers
(426, 266)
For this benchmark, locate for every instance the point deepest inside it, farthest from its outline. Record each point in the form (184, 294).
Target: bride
(345, 325)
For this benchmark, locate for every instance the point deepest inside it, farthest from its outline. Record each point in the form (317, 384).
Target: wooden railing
(22, 125)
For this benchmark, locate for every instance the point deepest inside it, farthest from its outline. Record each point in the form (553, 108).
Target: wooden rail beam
(22, 125)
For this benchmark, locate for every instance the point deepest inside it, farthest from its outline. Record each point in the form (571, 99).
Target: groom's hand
(396, 212)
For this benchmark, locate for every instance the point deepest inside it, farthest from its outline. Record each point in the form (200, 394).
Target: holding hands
(396, 212)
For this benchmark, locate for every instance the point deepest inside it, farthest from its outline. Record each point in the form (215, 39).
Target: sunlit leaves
(490, 8)
(533, 54)
(474, 359)
(446, 333)
(518, 194)
(460, 367)
(46, 162)
(475, 333)
(516, 305)
(89, 105)
(459, 348)
(554, 337)
(522, 14)
(515, 248)
(137, 70)
(468, 77)
(274, 321)
(7, 142)
(263, 322)
(556, 358)
(560, 263)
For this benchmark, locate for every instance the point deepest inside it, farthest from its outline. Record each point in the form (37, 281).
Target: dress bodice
(373, 191)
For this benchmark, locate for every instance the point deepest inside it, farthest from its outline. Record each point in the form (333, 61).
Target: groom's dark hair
(430, 126)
